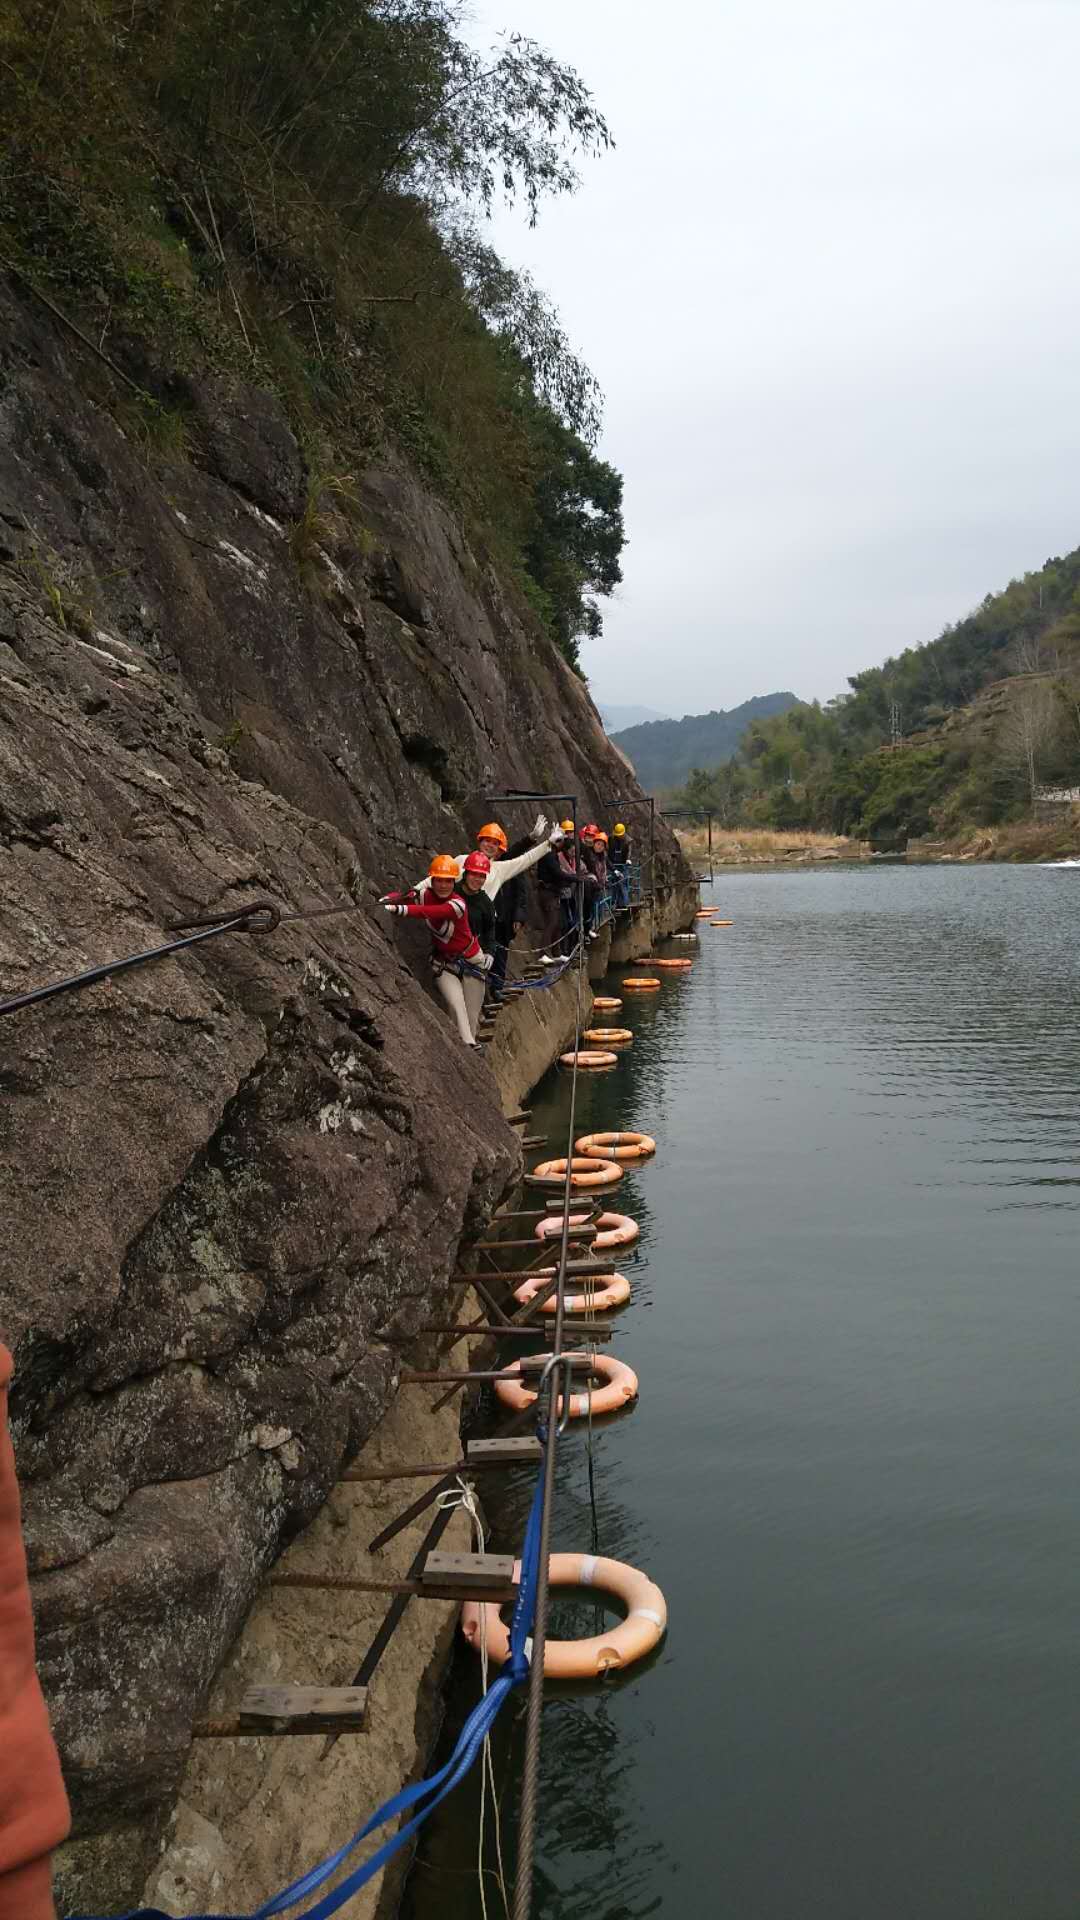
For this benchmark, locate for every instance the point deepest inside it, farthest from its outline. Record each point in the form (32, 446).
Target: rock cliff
(233, 1183)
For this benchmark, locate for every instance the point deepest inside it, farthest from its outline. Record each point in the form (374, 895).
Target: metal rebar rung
(469, 1570)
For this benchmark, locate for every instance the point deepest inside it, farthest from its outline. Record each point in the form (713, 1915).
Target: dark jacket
(482, 914)
(618, 853)
(511, 901)
(555, 872)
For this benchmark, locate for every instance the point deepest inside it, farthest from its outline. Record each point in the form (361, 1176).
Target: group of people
(475, 904)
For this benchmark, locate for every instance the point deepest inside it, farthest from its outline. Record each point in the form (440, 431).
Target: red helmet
(477, 863)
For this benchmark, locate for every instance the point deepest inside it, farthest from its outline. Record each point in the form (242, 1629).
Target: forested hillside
(293, 195)
(959, 732)
(664, 752)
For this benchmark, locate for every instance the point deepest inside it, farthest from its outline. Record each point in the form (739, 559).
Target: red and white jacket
(452, 938)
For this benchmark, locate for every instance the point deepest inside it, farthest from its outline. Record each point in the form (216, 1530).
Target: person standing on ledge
(458, 960)
(619, 857)
(34, 1815)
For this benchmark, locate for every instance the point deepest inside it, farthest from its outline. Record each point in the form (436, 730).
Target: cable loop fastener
(241, 919)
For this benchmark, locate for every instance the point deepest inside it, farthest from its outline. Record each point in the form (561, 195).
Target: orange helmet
(493, 831)
(443, 867)
(601, 839)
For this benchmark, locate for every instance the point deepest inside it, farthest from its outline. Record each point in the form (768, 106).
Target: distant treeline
(960, 731)
(293, 192)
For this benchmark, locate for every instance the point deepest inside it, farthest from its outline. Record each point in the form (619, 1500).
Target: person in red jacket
(34, 1814)
(459, 960)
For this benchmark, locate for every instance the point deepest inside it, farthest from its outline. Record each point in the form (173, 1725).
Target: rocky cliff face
(234, 1183)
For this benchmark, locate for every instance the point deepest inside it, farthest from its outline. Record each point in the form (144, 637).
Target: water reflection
(852, 1467)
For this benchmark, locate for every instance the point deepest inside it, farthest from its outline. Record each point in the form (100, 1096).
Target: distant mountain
(615, 718)
(665, 752)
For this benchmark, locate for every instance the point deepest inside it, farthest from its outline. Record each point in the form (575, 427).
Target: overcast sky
(830, 283)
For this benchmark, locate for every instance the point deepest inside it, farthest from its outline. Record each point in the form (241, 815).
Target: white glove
(556, 837)
(391, 906)
(486, 962)
(539, 829)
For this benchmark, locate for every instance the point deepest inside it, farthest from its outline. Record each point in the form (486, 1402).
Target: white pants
(465, 998)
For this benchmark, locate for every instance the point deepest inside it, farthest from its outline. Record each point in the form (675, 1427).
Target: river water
(854, 1464)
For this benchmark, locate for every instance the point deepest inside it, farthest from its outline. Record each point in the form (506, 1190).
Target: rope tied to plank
(421, 1799)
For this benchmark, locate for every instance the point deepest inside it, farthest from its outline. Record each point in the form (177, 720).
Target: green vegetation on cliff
(955, 733)
(292, 192)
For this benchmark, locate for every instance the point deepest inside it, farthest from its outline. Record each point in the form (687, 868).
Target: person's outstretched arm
(34, 1814)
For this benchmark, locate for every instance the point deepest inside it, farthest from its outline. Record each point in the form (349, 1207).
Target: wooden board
(294, 1710)
(534, 1363)
(512, 1452)
(469, 1570)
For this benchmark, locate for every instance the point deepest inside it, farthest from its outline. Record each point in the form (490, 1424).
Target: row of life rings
(598, 1164)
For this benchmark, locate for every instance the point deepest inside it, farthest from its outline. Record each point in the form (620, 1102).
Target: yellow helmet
(619, 828)
(567, 826)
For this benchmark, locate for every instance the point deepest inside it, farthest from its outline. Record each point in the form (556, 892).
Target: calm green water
(854, 1465)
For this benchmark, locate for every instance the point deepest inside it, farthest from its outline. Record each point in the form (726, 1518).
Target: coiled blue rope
(425, 1795)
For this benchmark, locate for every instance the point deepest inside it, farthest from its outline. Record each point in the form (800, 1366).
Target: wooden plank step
(278, 1711)
(534, 1363)
(472, 1571)
(515, 1452)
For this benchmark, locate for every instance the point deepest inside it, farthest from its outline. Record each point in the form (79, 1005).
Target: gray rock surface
(224, 1176)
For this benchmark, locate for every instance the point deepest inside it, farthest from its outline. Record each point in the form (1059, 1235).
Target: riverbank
(1022, 840)
(758, 847)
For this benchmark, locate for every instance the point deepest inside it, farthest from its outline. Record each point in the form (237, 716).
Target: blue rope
(424, 1795)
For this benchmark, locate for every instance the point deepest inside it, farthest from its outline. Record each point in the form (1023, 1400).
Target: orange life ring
(675, 966)
(642, 1630)
(608, 1290)
(641, 985)
(606, 1003)
(586, 1058)
(622, 1385)
(617, 1146)
(609, 1036)
(587, 1170)
(613, 1229)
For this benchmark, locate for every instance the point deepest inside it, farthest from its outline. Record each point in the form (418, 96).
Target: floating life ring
(642, 1630)
(675, 966)
(721, 923)
(613, 1229)
(609, 1036)
(617, 1146)
(605, 1003)
(586, 1058)
(608, 1290)
(585, 1171)
(621, 1385)
(641, 985)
